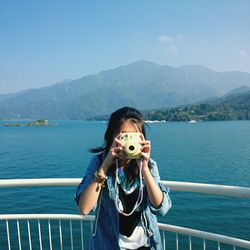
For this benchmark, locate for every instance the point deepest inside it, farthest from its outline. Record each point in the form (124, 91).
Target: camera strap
(140, 194)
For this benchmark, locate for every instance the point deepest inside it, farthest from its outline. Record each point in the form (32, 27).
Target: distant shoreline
(37, 123)
(27, 122)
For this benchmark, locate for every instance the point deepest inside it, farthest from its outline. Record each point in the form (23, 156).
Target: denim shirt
(105, 233)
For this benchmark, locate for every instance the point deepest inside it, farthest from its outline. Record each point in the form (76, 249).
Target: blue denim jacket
(105, 234)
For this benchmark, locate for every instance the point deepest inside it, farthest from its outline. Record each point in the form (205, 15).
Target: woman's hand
(116, 151)
(145, 150)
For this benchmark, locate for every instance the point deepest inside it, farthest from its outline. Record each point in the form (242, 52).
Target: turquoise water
(206, 152)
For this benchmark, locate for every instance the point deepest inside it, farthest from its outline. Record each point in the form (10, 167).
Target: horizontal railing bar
(39, 182)
(205, 235)
(235, 191)
(46, 217)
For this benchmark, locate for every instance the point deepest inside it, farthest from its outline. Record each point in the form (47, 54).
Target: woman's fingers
(145, 145)
(145, 155)
(145, 142)
(145, 150)
(122, 155)
(142, 137)
(114, 144)
(118, 142)
(118, 136)
(116, 150)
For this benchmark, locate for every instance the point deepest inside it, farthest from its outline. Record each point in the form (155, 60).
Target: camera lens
(131, 147)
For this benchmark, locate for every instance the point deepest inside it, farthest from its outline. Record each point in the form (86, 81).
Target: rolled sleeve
(166, 202)
(88, 178)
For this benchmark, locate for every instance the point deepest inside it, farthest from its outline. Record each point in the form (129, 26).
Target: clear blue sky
(43, 42)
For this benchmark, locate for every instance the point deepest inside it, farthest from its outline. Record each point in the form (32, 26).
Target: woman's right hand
(115, 151)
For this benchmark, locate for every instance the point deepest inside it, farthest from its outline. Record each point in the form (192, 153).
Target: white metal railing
(45, 233)
(243, 192)
(235, 242)
(235, 191)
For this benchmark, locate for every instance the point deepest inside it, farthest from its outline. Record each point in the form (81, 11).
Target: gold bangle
(100, 179)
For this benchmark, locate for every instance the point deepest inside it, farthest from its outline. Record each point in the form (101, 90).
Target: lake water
(206, 152)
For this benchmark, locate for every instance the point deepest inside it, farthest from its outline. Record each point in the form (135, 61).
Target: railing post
(177, 241)
(40, 235)
(18, 235)
(82, 236)
(204, 244)
(163, 240)
(50, 239)
(190, 243)
(30, 243)
(60, 232)
(71, 235)
(218, 245)
(8, 234)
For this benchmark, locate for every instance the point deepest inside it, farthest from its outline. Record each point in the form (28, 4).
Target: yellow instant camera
(132, 146)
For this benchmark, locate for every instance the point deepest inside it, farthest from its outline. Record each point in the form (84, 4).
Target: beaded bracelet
(100, 179)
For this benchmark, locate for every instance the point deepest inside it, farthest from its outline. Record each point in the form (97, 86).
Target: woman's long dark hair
(116, 119)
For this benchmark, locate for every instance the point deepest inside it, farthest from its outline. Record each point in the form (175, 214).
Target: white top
(136, 240)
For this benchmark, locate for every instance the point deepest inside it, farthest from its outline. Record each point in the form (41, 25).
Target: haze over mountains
(142, 84)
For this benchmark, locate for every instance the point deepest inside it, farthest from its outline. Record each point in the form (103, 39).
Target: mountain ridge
(141, 84)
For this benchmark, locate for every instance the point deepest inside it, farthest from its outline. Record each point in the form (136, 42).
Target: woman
(125, 191)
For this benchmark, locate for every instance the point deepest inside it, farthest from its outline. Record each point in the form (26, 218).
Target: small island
(40, 122)
(37, 123)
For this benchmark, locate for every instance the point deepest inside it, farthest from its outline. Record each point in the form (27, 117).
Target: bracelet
(100, 179)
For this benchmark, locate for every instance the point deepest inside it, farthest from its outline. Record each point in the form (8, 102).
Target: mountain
(241, 100)
(235, 106)
(4, 97)
(239, 90)
(238, 94)
(142, 84)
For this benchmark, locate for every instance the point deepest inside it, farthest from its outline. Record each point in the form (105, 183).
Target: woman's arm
(154, 192)
(91, 193)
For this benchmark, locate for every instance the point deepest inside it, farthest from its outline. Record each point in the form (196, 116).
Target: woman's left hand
(145, 150)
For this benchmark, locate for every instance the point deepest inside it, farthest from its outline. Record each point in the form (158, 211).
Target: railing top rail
(46, 217)
(236, 191)
(39, 182)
